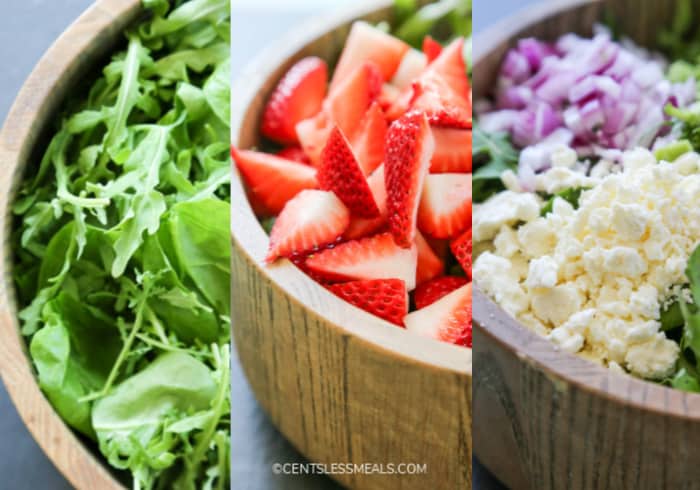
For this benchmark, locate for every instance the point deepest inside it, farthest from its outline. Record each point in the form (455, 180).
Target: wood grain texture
(548, 419)
(342, 385)
(71, 56)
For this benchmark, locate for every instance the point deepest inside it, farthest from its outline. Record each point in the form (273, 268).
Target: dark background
(27, 28)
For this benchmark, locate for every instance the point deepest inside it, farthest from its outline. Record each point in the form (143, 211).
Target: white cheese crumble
(593, 279)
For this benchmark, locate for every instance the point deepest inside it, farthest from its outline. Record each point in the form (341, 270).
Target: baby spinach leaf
(494, 155)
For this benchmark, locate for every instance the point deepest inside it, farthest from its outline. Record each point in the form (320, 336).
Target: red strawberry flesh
(462, 250)
(429, 264)
(410, 147)
(385, 298)
(309, 221)
(271, 180)
(448, 319)
(367, 43)
(340, 172)
(453, 151)
(298, 96)
(376, 257)
(429, 292)
(446, 205)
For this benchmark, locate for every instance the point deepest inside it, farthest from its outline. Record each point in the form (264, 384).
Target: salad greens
(681, 39)
(571, 195)
(493, 155)
(122, 252)
(414, 23)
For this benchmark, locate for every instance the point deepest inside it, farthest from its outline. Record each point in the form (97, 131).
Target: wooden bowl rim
(251, 240)
(562, 367)
(34, 102)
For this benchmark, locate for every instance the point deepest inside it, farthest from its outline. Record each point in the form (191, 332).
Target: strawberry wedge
(294, 153)
(344, 107)
(412, 65)
(446, 205)
(298, 96)
(376, 257)
(368, 143)
(362, 227)
(341, 173)
(462, 250)
(311, 220)
(367, 43)
(442, 91)
(448, 319)
(409, 148)
(431, 48)
(429, 292)
(271, 180)
(385, 298)
(429, 264)
(453, 151)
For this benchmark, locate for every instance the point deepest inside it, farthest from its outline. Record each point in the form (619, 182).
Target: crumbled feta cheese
(653, 359)
(563, 156)
(637, 158)
(557, 179)
(506, 242)
(505, 208)
(537, 237)
(511, 181)
(542, 273)
(499, 279)
(593, 279)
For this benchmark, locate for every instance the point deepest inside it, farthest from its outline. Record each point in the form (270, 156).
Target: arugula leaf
(122, 252)
(494, 155)
(571, 195)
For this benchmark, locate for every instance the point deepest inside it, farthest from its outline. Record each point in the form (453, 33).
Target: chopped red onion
(598, 96)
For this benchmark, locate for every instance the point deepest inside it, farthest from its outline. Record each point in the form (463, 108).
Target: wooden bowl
(547, 419)
(342, 385)
(88, 40)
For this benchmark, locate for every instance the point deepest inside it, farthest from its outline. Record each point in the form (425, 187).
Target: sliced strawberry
(376, 257)
(429, 292)
(429, 264)
(453, 151)
(362, 227)
(449, 319)
(313, 134)
(388, 96)
(311, 220)
(412, 65)
(443, 92)
(402, 103)
(296, 154)
(385, 298)
(462, 250)
(300, 259)
(367, 43)
(446, 205)
(298, 96)
(271, 180)
(410, 146)
(340, 172)
(368, 144)
(345, 107)
(349, 101)
(431, 48)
